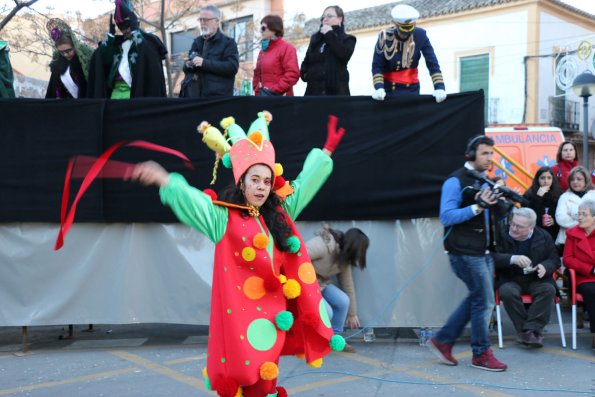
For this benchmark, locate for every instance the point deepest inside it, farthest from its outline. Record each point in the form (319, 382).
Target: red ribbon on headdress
(104, 168)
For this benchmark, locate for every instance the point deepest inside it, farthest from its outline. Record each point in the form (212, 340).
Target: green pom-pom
(208, 384)
(284, 320)
(226, 159)
(294, 244)
(337, 343)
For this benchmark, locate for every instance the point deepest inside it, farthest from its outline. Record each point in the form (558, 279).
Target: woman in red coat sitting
(579, 254)
(277, 68)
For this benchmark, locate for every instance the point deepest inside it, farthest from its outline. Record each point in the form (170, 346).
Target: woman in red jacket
(579, 254)
(566, 160)
(277, 68)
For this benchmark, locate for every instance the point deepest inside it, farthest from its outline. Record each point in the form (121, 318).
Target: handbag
(267, 92)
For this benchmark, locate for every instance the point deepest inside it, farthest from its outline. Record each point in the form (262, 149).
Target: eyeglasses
(517, 226)
(66, 52)
(205, 20)
(263, 28)
(328, 16)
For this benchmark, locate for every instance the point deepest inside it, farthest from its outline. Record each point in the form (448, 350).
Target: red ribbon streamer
(100, 167)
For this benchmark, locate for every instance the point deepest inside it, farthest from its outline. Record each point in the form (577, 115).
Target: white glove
(379, 94)
(440, 95)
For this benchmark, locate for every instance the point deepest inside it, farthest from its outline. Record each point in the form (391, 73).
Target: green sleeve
(194, 208)
(316, 170)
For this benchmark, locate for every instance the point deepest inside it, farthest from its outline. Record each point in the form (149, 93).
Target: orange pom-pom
(260, 241)
(240, 392)
(316, 363)
(269, 371)
(256, 137)
(301, 356)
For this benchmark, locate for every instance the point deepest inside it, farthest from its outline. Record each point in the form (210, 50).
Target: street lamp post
(584, 86)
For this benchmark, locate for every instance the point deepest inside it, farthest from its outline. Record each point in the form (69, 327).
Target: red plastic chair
(576, 297)
(527, 300)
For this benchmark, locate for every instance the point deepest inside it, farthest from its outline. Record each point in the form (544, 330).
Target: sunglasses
(406, 28)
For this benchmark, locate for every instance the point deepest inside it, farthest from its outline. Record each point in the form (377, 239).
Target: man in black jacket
(213, 60)
(525, 260)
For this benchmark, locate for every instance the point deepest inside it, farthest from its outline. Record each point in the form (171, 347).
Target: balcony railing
(564, 113)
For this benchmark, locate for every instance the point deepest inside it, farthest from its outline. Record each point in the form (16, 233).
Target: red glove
(333, 135)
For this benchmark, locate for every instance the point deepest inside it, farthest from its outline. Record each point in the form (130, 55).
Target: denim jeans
(337, 306)
(477, 272)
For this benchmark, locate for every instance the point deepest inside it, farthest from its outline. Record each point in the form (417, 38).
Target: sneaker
(534, 339)
(522, 338)
(348, 348)
(442, 351)
(488, 362)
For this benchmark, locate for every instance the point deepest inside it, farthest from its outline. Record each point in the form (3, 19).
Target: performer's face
(483, 157)
(66, 50)
(257, 184)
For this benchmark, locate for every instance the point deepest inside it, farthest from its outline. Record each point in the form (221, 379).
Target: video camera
(500, 190)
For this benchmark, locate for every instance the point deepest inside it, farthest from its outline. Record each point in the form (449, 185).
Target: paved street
(165, 359)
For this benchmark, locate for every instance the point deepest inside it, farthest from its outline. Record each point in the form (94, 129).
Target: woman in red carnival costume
(265, 298)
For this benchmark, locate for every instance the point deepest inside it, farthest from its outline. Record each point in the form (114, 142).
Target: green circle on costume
(324, 314)
(243, 238)
(258, 308)
(299, 254)
(262, 334)
(247, 362)
(223, 360)
(228, 311)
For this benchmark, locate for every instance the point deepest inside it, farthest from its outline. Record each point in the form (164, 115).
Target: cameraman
(213, 60)
(464, 212)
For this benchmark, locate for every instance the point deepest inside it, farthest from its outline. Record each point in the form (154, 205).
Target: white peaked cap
(404, 14)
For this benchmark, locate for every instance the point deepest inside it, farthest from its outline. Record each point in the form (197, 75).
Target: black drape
(390, 165)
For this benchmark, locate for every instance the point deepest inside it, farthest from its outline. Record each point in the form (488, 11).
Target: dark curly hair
(271, 211)
(353, 245)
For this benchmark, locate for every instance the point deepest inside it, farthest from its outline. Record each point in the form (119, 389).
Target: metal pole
(586, 132)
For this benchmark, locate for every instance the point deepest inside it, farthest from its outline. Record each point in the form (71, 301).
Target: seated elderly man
(525, 260)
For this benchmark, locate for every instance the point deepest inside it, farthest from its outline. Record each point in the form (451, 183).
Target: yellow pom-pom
(269, 371)
(282, 279)
(260, 241)
(301, 356)
(316, 363)
(240, 392)
(278, 169)
(226, 122)
(292, 289)
(204, 373)
(256, 137)
(202, 127)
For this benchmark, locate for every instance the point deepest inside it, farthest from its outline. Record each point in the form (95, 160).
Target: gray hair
(587, 204)
(526, 213)
(216, 12)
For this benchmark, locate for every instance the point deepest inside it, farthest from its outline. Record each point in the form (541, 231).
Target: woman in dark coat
(324, 68)
(70, 63)
(543, 196)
